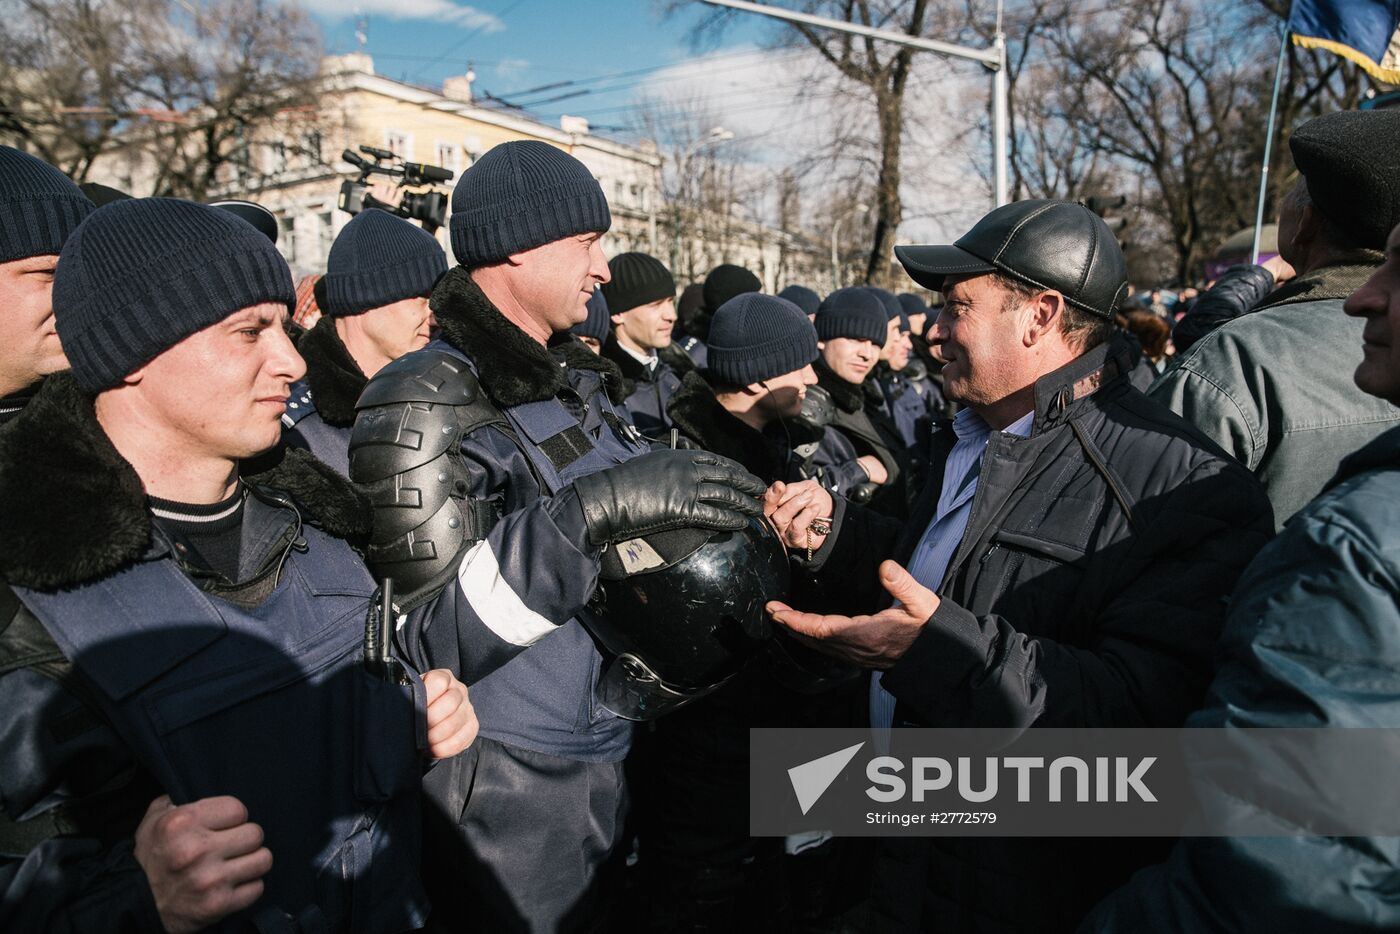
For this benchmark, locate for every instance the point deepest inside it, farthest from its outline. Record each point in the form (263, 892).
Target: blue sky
(519, 45)
(778, 105)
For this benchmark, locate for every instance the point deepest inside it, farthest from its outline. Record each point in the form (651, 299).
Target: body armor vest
(546, 698)
(270, 704)
(412, 421)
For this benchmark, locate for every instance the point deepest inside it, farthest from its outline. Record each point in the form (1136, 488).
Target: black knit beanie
(1350, 162)
(893, 307)
(138, 276)
(598, 320)
(912, 304)
(637, 279)
(726, 281)
(803, 298)
(520, 195)
(39, 206)
(755, 337)
(379, 259)
(854, 312)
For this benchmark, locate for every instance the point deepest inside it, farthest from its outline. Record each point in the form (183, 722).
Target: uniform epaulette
(299, 405)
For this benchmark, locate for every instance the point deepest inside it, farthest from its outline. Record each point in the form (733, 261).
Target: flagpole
(1268, 148)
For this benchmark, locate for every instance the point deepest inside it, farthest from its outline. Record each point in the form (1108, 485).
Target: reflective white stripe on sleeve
(499, 607)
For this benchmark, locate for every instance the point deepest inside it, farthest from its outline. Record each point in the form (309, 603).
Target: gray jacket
(1274, 387)
(1312, 640)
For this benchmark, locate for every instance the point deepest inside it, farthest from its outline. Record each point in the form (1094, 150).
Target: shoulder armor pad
(413, 411)
(405, 457)
(299, 405)
(423, 376)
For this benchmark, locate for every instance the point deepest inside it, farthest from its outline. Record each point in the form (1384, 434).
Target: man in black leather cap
(1066, 562)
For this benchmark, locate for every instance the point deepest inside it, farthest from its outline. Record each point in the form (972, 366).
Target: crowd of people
(379, 619)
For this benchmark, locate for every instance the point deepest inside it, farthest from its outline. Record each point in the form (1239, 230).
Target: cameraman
(378, 278)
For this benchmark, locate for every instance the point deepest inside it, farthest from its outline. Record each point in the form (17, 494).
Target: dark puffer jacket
(1312, 640)
(1088, 590)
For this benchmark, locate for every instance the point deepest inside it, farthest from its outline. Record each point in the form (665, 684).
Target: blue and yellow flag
(1363, 31)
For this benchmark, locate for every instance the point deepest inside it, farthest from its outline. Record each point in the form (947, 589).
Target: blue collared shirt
(935, 550)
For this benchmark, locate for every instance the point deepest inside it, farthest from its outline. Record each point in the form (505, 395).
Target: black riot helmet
(680, 612)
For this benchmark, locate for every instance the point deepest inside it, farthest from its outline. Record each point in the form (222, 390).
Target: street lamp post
(835, 257)
(713, 136)
(993, 58)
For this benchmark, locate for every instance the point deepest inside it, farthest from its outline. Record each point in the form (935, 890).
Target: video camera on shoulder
(427, 207)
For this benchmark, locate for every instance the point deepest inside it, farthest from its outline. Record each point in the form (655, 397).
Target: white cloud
(511, 67)
(786, 105)
(442, 11)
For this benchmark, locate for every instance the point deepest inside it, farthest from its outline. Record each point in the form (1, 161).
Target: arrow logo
(810, 780)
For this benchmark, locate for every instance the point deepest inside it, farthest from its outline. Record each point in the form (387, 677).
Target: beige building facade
(294, 170)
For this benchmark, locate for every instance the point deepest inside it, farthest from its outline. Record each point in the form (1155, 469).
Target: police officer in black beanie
(857, 457)
(39, 207)
(641, 298)
(726, 281)
(760, 357)
(701, 870)
(803, 298)
(522, 472)
(593, 330)
(723, 283)
(378, 278)
(895, 406)
(193, 735)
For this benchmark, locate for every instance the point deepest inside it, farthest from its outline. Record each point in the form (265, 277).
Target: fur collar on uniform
(336, 380)
(511, 366)
(74, 510)
(697, 414)
(849, 397)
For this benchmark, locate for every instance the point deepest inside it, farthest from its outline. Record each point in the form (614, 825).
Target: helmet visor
(630, 689)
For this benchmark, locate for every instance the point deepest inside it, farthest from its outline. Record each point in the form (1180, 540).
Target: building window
(276, 158)
(287, 239)
(399, 143)
(325, 237)
(447, 156)
(313, 147)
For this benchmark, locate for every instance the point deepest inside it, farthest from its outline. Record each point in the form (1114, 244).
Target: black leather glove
(667, 490)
